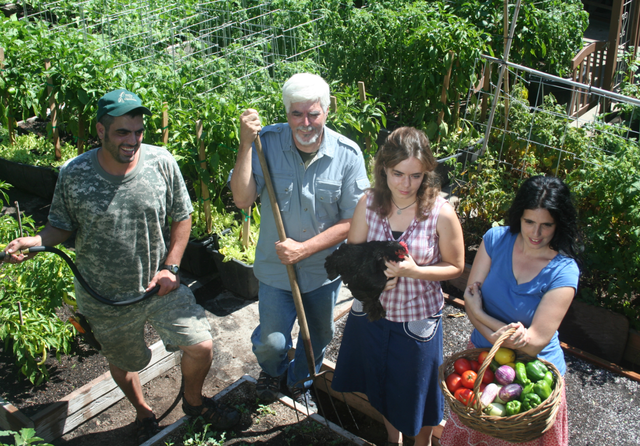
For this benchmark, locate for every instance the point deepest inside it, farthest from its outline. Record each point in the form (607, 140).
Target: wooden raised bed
(82, 404)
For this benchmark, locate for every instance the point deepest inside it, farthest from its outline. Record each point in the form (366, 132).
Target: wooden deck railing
(588, 67)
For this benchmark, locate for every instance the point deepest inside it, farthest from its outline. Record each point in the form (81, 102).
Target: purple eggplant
(505, 375)
(510, 392)
(488, 394)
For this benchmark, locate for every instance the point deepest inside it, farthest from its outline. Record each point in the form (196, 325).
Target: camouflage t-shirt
(122, 221)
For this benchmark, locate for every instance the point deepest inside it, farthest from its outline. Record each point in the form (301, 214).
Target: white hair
(305, 87)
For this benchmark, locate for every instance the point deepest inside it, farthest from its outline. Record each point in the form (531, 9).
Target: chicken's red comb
(404, 245)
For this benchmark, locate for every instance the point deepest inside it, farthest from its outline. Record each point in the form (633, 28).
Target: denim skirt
(396, 365)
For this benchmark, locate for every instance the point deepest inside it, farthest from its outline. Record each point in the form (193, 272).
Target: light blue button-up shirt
(311, 200)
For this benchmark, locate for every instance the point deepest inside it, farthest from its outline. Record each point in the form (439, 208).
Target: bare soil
(275, 424)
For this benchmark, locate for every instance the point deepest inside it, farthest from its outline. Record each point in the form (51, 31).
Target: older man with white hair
(318, 176)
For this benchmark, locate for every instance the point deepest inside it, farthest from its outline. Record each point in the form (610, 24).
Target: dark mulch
(66, 375)
(275, 424)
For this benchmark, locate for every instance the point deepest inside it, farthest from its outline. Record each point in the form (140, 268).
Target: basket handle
(486, 364)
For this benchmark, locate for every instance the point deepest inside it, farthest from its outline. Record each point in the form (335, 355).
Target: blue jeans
(272, 338)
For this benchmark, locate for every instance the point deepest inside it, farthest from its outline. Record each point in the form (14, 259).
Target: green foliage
(35, 151)
(630, 86)
(205, 437)
(231, 241)
(403, 55)
(32, 290)
(220, 221)
(358, 121)
(600, 166)
(26, 436)
(608, 197)
(548, 34)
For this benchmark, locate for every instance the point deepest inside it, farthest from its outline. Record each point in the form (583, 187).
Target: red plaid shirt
(411, 299)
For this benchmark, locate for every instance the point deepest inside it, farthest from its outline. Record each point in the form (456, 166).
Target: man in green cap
(129, 208)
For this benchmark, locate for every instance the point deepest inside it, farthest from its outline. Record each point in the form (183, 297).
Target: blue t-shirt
(509, 302)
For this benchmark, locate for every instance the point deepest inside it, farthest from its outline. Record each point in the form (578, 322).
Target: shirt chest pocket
(283, 185)
(327, 196)
(425, 254)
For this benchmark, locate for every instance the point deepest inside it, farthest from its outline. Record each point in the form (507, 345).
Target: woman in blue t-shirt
(525, 276)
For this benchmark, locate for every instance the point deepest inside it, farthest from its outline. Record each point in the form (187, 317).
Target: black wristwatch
(173, 268)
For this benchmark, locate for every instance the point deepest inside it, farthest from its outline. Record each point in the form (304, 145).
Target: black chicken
(362, 269)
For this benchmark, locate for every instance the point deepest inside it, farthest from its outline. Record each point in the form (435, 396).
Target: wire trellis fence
(536, 113)
(207, 43)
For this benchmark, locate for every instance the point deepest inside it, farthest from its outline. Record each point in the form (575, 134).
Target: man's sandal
(218, 415)
(146, 428)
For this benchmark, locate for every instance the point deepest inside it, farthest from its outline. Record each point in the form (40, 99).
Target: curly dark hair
(550, 193)
(404, 143)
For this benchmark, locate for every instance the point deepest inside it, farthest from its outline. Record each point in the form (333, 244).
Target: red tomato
(461, 365)
(474, 365)
(488, 376)
(469, 379)
(458, 394)
(454, 382)
(482, 355)
(482, 386)
(465, 396)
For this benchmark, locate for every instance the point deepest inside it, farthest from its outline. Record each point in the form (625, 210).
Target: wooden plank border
(82, 404)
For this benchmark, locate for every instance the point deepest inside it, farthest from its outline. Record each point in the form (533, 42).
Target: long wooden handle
(295, 290)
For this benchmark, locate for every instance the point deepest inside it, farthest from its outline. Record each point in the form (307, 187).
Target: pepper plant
(30, 292)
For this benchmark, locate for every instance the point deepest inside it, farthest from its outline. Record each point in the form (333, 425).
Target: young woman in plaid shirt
(395, 360)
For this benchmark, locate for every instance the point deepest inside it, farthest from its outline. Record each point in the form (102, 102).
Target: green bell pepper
(548, 377)
(536, 370)
(521, 374)
(542, 389)
(525, 390)
(530, 401)
(513, 407)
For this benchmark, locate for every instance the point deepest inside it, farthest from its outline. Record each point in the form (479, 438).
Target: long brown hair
(404, 143)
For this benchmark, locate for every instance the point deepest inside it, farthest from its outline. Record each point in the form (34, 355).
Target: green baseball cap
(120, 102)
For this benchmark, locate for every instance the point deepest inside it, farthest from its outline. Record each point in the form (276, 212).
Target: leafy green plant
(265, 409)
(220, 222)
(35, 151)
(29, 295)
(26, 436)
(358, 121)
(204, 437)
(548, 34)
(403, 55)
(608, 197)
(231, 241)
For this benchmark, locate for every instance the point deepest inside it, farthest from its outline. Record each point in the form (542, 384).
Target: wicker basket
(525, 426)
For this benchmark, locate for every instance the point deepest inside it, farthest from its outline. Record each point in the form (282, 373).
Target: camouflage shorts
(176, 317)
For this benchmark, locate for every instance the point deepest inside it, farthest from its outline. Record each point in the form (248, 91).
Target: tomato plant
(461, 365)
(454, 382)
